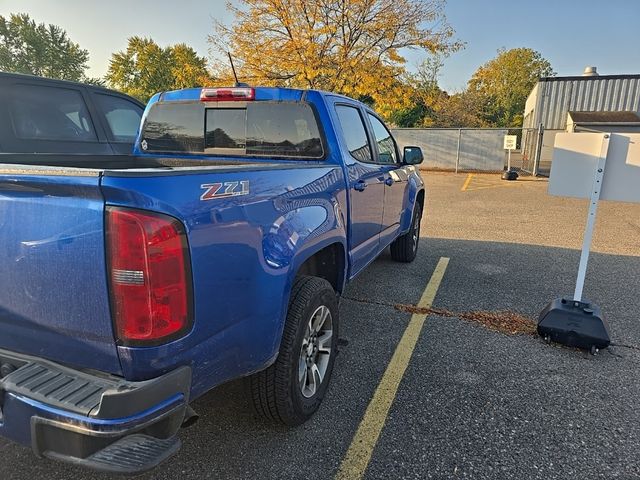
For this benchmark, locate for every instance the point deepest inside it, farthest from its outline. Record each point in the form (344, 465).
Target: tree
(458, 110)
(425, 93)
(145, 68)
(97, 81)
(441, 110)
(351, 47)
(505, 83)
(39, 49)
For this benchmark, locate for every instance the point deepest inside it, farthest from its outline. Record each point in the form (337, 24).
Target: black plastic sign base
(575, 324)
(510, 175)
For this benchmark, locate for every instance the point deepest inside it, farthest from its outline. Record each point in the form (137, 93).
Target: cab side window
(383, 141)
(50, 113)
(123, 117)
(354, 133)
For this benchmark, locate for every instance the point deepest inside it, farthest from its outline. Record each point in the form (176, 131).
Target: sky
(571, 34)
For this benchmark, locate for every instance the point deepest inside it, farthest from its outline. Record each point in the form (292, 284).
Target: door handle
(360, 185)
(388, 181)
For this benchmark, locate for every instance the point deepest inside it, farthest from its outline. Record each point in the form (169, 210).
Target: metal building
(555, 103)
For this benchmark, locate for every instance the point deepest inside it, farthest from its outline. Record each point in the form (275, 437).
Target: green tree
(39, 49)
(145, 68)
(424, 93)
(505, 82)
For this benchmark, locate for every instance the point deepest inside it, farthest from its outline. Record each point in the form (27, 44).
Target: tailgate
(54, 301)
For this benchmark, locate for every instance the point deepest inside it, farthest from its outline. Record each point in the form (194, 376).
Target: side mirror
(413, 156)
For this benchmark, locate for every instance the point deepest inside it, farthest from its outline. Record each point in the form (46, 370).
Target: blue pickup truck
(132, 285)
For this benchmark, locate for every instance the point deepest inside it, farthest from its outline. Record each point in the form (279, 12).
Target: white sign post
(594, 166)
(510, 142)
(596, 188)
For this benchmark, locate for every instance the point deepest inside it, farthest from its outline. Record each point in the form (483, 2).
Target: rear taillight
(150, 278)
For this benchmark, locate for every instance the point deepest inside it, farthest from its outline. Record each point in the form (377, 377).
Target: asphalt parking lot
(472, 403)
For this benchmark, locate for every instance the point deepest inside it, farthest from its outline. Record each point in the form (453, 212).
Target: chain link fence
(475, 149)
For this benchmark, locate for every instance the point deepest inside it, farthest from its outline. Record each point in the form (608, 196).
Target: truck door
(385, 153)
(366, 183)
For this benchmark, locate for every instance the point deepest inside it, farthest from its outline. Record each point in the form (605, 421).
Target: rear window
(175, 127)
(253, 129)
(50, 113)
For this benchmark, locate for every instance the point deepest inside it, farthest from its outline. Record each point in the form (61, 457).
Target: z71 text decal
(223, 190)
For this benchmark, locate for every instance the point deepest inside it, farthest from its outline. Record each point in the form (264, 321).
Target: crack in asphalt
(523, 324)
(623, 345)
(502, 321)
(612, 353)
(634, 225)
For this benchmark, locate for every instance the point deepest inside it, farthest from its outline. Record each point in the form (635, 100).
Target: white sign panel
(510, 142)
(575, 157)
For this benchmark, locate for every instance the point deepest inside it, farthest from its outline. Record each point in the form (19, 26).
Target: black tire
(277, 391)
(405, 248)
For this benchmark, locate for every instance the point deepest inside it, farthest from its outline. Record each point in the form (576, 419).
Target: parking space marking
(483, 182)
(466, 182)
(355, 462)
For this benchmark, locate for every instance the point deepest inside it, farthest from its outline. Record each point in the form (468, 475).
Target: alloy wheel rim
(315, 351)
(416, 233)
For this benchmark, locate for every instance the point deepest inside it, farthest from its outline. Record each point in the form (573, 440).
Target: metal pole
(458, 150)
(591, 218)
(538, 152)
(509, 161)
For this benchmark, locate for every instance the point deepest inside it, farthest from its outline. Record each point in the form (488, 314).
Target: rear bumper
(74, 416)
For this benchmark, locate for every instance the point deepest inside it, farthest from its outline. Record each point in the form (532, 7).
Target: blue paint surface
(245, 250)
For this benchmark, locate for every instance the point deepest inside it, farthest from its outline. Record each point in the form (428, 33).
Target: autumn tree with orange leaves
(353, 47)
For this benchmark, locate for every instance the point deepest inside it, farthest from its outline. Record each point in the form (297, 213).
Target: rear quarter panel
(244, 251)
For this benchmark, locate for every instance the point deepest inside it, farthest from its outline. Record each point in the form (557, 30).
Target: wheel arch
(420, 199)
(328, 263)
(416, 197)
(327, 260)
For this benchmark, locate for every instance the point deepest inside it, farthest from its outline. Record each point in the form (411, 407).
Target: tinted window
(227, 128)
(50, 113)
(123, 117)
(174, 127)
(384, 142)
(264, 129)
(354, 133)
(259, 129)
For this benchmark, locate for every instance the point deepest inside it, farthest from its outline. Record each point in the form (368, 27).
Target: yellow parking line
(466, 182)
(358, 455)
(496, 185)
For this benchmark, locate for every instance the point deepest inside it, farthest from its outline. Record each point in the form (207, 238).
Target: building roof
(605, 117)
(594, 77)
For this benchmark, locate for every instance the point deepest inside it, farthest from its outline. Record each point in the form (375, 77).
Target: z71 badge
(224, 190)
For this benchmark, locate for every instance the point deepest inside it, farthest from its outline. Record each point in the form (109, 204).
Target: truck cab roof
(44, 81)
(261, 93)
(281, 94)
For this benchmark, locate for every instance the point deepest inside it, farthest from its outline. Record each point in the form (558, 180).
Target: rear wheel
(405, 247)
(291, 390)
